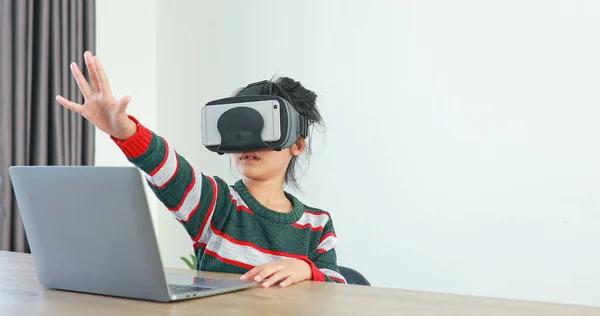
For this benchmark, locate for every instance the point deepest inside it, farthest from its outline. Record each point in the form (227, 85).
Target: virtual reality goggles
(252, 121)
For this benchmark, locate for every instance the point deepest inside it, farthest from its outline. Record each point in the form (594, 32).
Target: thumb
(69, 104)
(122, 104)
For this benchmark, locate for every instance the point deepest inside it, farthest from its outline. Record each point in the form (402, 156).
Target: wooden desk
(21, 294)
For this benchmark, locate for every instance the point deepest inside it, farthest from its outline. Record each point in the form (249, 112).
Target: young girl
(253, 227)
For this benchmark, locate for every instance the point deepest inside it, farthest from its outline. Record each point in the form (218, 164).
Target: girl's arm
(190, 195)
(183, 189)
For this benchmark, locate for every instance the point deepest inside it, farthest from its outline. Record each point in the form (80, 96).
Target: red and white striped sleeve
(188, 194)
(325, 258)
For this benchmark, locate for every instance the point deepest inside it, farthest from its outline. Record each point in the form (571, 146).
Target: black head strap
(303, 126)
(255, 88)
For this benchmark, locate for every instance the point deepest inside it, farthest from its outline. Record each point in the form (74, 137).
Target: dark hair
(304, 101)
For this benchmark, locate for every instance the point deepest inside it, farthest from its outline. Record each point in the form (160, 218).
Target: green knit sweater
(230, 230)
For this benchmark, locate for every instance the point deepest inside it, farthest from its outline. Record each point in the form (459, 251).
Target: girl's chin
(254, 175)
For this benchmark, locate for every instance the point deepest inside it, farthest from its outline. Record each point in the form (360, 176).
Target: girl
(253, 227)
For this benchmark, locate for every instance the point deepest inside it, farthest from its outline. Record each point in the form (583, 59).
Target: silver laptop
(90, 231)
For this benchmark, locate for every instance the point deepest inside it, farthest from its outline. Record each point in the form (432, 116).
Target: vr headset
(252, 121)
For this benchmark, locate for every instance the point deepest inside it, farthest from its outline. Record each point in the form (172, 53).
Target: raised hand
(100, 107)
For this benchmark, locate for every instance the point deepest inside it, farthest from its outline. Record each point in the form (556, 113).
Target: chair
(353, 277)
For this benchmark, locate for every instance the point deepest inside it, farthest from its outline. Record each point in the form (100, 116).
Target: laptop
(90, 231)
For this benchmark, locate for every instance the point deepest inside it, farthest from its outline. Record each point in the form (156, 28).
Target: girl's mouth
(249, 158)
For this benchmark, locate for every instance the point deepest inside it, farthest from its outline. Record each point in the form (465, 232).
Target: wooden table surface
(21, 294)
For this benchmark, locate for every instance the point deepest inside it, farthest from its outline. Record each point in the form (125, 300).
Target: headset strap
(303, 125)
(255, 88)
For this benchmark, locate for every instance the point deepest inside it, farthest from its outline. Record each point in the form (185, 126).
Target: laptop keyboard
(183, 289)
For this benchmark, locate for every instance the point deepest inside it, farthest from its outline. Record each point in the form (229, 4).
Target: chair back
(353, 277)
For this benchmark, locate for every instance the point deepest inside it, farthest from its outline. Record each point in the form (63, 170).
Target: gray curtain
(38, 40)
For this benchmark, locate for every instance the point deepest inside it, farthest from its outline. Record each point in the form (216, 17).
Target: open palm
(100, 106)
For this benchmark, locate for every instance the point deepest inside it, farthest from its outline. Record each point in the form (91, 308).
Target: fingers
(278, 276)
(102, 80)
(287, 282)
(268, 271)
(260, 273)
(81, 82)
(75, 107)
(89, 62)
(252, 273)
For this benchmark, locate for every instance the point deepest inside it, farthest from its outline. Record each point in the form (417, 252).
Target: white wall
(126, 44)
(460, 153)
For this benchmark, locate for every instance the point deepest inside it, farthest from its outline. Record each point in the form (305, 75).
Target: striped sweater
(230, 230)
